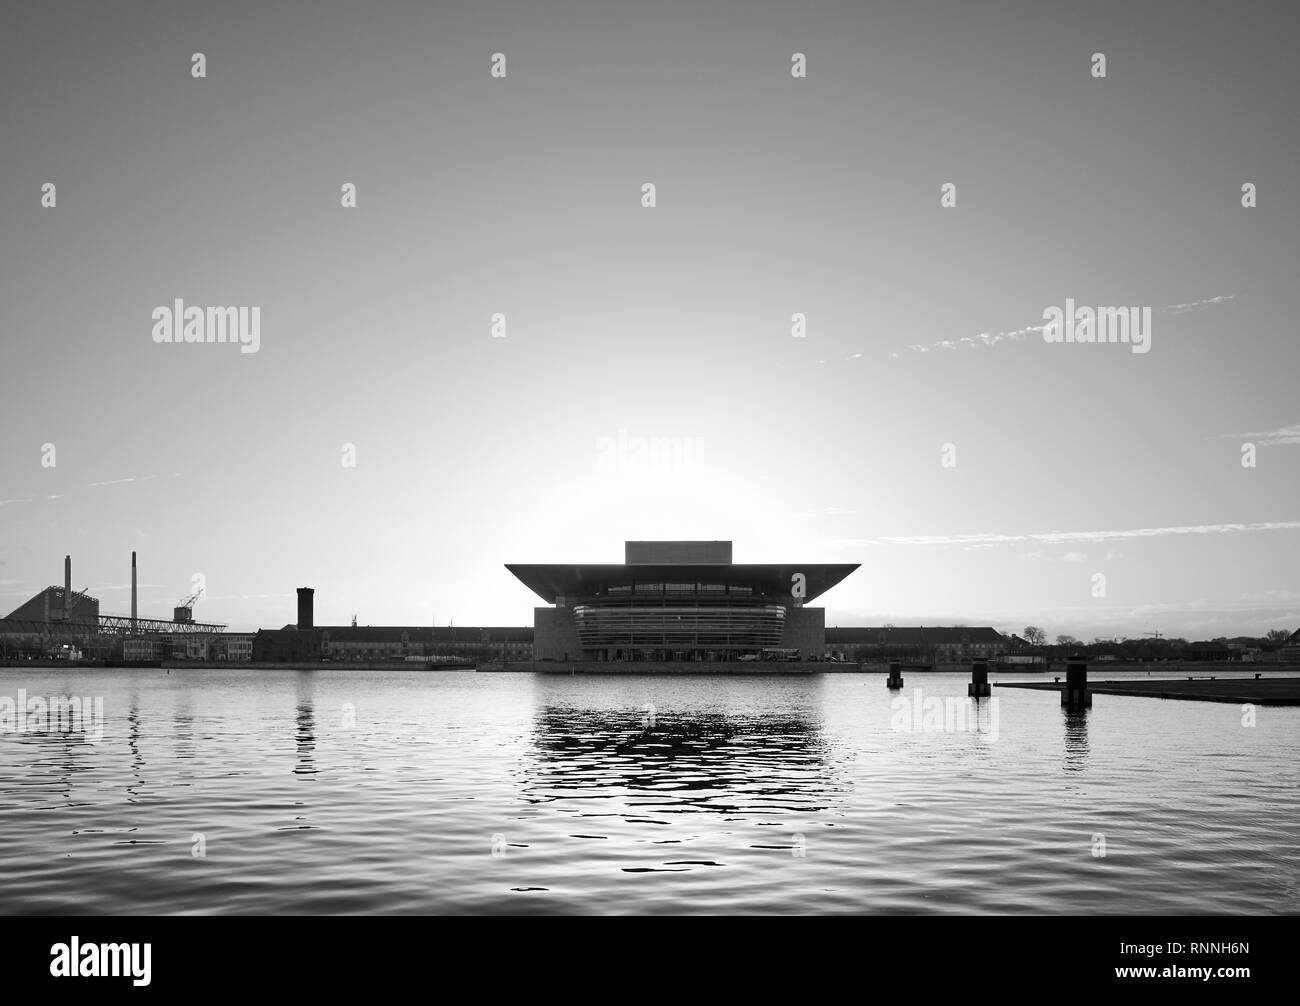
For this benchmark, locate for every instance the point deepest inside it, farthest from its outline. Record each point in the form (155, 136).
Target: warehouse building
(927, 644)
(305, 641)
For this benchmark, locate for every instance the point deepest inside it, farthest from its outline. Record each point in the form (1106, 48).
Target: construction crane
(184, 611)
(77, 597)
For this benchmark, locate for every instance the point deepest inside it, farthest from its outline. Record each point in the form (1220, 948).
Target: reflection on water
(463, 792)
(183, 727)
(1076, 739)
(672, 762)
(133, 743)
(306, 735)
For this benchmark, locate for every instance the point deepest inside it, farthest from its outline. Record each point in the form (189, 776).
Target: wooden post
(1076, 695)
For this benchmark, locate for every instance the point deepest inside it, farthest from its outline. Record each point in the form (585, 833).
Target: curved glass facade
(672, 625)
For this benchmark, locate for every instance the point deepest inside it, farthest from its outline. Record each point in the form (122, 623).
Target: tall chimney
(67, 585)
(304, 607)
(133, 611)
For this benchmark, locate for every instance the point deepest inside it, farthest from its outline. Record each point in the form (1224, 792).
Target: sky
(387, 446)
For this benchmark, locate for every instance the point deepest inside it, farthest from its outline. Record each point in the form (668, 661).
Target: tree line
(1147, 648)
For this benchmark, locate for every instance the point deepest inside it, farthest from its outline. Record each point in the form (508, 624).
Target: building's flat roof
(549, 580)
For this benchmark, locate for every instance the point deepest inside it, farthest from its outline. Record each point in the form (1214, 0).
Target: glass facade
(676, 627)
(669, 620)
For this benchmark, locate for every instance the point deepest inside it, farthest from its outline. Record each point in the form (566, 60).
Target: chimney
(133, 610)
(304, 607)
(67, 585)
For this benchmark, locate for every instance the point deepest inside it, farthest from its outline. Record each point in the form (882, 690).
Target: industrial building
(304, 641)
(679, 601)
(62, 623)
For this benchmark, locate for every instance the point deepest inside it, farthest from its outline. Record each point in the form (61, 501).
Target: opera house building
(679, 600)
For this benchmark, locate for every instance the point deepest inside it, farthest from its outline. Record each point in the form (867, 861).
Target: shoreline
(237, 665)
(1160, 672)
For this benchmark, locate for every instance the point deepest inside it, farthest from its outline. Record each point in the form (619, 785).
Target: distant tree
(1034, 635)
(1066, 641)
(1278, 635)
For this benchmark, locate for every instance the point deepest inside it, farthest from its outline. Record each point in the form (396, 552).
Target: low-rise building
(358, 642)
(235, 646)
(286, 645)
(1208, 650)
(928, 644)
(142, 648)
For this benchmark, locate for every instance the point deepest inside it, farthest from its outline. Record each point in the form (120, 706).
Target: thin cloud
(106, 482)
(1058, 537)
(981, 341)
(987, 339)
(1183, 308)
(132, 478)
(1038, 555)
(1280, 596)
(1273, 438)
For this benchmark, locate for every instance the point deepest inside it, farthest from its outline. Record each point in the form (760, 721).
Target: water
(464, 792)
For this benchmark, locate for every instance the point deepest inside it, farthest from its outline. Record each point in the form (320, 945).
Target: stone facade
(554, 635)
(805, 630)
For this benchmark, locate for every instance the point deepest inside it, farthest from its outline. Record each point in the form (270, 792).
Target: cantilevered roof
(549, 580)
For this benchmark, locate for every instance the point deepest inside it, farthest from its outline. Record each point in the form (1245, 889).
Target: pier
(1258, 691)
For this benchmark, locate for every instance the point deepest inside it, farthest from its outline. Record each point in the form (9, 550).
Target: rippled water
(344, 791)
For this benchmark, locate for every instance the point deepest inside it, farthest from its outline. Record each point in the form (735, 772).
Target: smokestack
(67, 585)
(304, 607)
(133, 611)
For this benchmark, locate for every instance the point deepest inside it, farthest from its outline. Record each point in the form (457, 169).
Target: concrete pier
(895, 680)
(979, 680)
(1278, 691)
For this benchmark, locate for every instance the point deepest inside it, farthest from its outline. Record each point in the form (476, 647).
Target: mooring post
(979, 679)
(1076, 694)
(895, 681)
